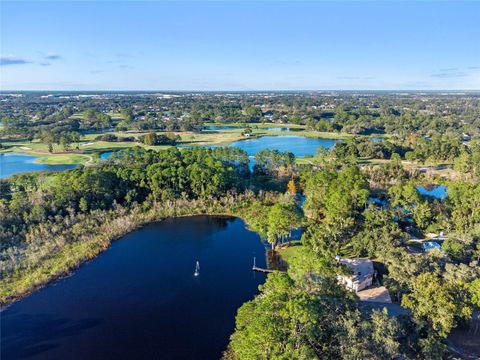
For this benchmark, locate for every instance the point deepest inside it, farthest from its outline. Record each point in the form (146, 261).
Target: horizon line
(239, 91)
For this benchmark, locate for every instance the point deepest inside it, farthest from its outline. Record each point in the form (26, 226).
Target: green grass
(115, 116)
(305, 160)
(221, 137)
(292, 251)
(103, 146)
(63, 159)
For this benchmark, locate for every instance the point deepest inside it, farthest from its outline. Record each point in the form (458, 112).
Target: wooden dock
(259, 269)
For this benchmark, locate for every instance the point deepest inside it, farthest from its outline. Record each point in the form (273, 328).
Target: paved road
(393, 309)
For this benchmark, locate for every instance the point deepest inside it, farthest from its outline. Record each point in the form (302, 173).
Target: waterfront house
(362, 274)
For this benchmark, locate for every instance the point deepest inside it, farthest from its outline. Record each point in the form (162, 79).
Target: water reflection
(436, 191)
(139, 299)
(298, 145)
(15, 163)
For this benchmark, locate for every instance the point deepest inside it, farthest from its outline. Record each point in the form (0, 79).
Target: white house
(362, 276)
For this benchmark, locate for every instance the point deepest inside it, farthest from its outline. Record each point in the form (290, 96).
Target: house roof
(362, 268)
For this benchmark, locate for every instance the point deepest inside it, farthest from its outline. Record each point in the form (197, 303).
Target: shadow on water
(275, 261)
(31, 335)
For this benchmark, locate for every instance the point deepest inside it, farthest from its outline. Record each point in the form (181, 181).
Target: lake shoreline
(302, 132)
(50, 271)
(150, 274)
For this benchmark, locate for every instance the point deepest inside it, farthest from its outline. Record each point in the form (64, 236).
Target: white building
(362, 276)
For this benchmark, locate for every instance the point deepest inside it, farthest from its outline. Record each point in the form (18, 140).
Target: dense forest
(306, 314)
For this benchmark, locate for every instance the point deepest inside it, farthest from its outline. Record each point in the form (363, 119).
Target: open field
(113, 115)
(64, 159)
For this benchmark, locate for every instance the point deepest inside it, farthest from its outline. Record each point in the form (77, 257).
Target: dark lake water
(140, 299)
(298, 145)
(13, 163)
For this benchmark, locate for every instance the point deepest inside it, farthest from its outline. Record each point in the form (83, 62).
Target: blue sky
(227, 45)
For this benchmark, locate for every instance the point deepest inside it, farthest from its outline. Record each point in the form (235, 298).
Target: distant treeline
(399, 115)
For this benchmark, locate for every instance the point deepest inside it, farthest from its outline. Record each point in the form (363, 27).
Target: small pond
(278, 129)
(436, 191)
(105, 155)
(222, 127)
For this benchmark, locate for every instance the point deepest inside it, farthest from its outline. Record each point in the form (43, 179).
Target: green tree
(282, 323)
(379, 234)
(434, 304)
(374, 338)
(83, 204)
(150, 139)
(48, 138)
(474, 289)
(65, 141)
(282, 218)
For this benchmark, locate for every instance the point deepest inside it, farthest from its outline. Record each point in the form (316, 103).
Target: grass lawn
(292, 251)
(99, 147)
(63, 159)
(113, 115)
(205, 138)
(305, 160)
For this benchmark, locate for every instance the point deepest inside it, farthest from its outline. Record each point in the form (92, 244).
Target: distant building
(362, 276)
(268, 115)
(435, 237)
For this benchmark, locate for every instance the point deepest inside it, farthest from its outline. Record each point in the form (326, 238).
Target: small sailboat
(197, 269)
